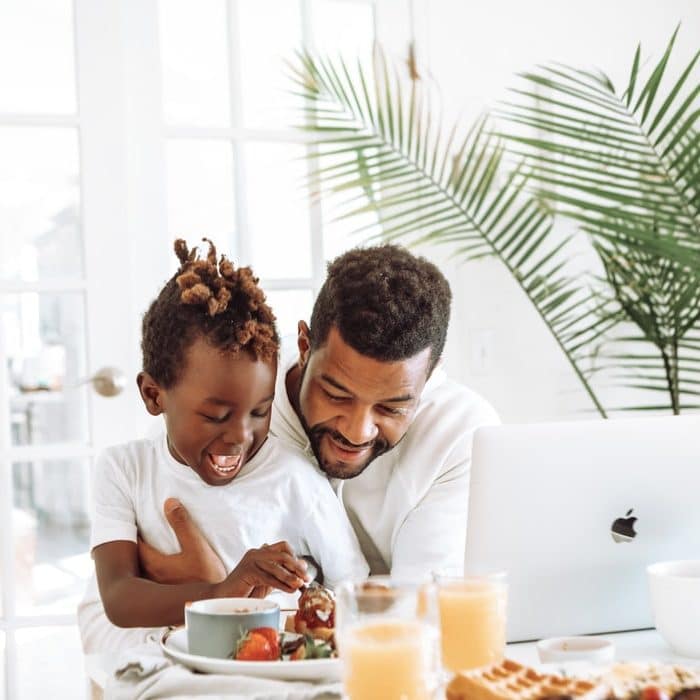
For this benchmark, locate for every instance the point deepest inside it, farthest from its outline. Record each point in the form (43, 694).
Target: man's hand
(270, 566)
(197, 561)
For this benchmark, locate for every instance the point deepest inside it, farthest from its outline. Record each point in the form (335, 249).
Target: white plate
(174, 645)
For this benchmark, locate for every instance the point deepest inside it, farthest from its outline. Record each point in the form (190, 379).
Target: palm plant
(660, 298)
(626, 167)
(376, 132)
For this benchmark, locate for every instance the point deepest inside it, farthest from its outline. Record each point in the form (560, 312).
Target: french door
(61, 223)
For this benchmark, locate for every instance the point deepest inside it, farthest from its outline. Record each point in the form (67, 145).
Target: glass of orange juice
(472, 620)
(388, 640)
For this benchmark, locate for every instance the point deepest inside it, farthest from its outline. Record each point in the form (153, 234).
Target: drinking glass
(388, 640)
(472, 620)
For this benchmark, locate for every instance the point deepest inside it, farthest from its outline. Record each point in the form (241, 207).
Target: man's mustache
(341, 439)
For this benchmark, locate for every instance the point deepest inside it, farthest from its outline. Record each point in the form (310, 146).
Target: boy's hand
(196, 561)
(270, 566)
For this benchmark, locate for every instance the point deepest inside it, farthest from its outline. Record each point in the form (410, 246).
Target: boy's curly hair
(385, 302)
(205, 299)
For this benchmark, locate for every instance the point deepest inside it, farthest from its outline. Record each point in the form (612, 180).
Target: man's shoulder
(442, 430)
(454, 403)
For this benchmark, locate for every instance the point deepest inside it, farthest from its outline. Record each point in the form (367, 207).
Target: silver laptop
(575, 511)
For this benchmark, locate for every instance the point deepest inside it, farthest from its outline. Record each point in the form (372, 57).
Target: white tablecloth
(158, 677)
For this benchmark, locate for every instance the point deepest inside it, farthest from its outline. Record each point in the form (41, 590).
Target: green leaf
(629, 93)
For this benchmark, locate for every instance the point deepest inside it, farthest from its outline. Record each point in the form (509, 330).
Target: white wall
(497, 343)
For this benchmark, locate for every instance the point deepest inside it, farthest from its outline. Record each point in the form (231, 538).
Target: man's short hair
(386, 303)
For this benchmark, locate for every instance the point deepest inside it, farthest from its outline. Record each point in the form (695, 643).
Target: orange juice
(473, 623)
(389, 660)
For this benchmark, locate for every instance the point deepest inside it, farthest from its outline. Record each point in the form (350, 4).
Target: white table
(646, 645)
(629, 646)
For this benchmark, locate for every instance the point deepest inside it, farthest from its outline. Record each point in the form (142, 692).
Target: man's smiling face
(355, 408)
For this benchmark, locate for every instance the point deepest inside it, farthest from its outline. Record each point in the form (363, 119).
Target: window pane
(39, 195)
(51, 535)
(290, 307)
(37, 57)
(193, 40)
(44, 337)
(343, 26)
(200, 191)
(270, 31)
(278, 210)
(50, 663)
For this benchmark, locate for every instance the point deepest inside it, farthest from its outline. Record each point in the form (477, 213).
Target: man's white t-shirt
(409, 506)
(276, 496)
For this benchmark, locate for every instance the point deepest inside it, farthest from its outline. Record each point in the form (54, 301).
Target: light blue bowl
(214, 626)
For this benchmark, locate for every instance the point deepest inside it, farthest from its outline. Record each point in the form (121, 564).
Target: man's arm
(196, 560)
(329, 536)
(433, 535)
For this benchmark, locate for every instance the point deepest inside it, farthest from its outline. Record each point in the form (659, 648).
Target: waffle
(628, 679)
(511, 681)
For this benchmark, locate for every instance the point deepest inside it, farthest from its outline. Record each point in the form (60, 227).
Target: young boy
(209, 366)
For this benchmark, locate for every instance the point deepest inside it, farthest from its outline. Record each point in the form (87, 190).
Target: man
(365, 398)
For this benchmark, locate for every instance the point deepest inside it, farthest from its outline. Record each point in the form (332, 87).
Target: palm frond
(662, 298)
(626, 167)
(445, 186)
(597, 153)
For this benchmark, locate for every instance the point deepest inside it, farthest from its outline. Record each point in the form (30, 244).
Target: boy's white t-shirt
(277, 496)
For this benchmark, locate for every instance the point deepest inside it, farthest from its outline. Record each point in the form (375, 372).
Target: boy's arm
(132, 601)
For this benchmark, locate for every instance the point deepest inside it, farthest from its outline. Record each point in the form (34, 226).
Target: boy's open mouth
(225, 464)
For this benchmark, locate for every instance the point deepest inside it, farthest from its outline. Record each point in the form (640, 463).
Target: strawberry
(272, 636)
(260, 644)
(651, 692)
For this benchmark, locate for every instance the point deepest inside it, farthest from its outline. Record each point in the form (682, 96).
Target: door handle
(107, 381)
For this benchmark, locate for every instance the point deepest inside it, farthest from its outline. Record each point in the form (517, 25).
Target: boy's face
(217, 415)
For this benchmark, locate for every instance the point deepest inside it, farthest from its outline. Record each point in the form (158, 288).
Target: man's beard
(336, 470)
(315, 435)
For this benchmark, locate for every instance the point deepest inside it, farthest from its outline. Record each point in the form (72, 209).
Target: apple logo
(622, 529)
